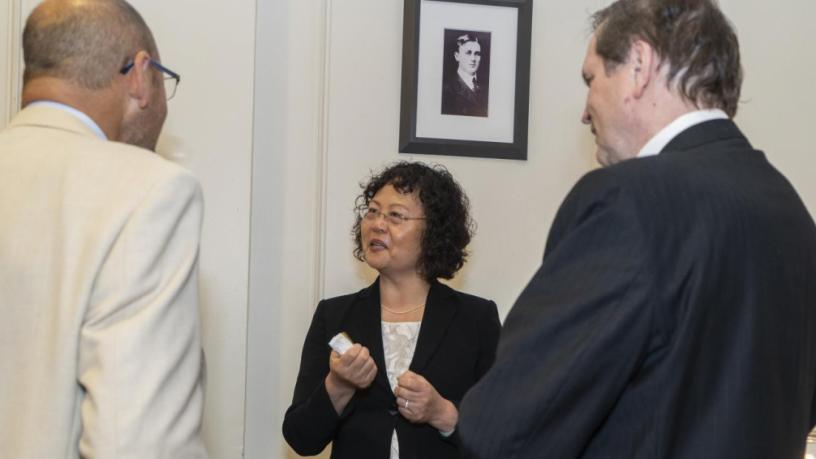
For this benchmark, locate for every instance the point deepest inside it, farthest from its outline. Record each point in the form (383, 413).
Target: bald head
(85, 42)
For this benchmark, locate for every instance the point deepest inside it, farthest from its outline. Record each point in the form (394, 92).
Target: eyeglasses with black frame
(395, 218)
(171, 78)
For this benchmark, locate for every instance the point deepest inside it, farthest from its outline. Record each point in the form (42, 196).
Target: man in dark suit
(674, 313)
(463, 93)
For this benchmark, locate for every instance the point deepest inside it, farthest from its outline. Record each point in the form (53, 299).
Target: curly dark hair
(448, 226)
(692, 37)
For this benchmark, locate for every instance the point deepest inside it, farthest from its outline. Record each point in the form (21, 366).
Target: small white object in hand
(341, 343)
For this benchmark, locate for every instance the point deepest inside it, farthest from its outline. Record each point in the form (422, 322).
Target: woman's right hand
(355, 367)
(353, 370)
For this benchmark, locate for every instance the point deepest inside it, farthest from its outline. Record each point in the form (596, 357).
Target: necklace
(403, 312)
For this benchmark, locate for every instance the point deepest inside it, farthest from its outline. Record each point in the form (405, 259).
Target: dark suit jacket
(459, 99)
(674, 316)
(456, 345)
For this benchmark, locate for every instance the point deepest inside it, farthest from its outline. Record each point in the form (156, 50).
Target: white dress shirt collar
(86, 120)
(665, 135)
(470, 80)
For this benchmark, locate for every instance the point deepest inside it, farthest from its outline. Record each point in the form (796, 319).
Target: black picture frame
(481, 131)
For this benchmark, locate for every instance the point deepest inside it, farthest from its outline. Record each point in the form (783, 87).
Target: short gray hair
(85, 42)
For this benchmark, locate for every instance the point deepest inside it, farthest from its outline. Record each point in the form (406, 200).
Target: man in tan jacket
(100, 353)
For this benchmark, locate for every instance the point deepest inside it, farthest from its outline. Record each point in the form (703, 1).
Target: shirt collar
(470, 80)
(86, 120)
(665, 135)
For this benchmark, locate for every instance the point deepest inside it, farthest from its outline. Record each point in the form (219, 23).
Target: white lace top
(399, 343)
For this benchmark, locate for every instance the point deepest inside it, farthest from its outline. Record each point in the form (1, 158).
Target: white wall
(9, 58)
(285, 106)
(6, 43)
(778, 98)
(209, 130)
(286, 210)
(514, 202)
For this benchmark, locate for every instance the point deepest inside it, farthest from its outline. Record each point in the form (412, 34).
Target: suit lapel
(439, 313)
(370, 332)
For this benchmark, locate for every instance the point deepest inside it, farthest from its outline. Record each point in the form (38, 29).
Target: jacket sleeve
(310, 422)
(572, 340)
(140, 358)
(489, 329)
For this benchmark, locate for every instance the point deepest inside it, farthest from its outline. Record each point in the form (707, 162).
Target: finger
(359, 362)
(408, 414)
(364, 354)
(333, 357)
(367, 369)
(363, 357)
(370, 365)
(372, 374)
(411, 380)
(336, 364)
(409, 394)
(351, 354)
(366, 380)
(403, 404)
(405, 378)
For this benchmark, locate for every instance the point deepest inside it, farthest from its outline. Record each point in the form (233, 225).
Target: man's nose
(586, 118)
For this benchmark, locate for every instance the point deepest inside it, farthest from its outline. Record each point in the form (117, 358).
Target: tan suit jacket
(100, 353)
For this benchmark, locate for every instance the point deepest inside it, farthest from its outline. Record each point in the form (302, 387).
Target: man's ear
(641, 59)
(139, 79)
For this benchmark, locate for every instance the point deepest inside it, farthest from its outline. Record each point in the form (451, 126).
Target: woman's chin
(374, 262)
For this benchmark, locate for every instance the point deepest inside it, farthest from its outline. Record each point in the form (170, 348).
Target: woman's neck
(401, 294)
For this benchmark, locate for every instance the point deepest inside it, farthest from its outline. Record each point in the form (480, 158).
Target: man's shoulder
(637, 172)
(151, 163)
(143, 169)
(87, 168)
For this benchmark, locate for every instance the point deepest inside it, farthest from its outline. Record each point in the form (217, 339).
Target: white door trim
(14, 61)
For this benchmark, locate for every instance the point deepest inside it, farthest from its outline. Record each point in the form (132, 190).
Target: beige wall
(514, 202)
(209, 130)
(285, 105)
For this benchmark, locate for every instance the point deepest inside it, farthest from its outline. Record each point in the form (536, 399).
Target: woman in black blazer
(420, 345)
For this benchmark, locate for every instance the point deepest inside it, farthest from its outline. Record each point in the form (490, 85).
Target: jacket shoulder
(477, 303)
(338, 305)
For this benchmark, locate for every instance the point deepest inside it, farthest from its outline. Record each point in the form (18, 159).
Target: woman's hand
(353, 370)
(419, 402)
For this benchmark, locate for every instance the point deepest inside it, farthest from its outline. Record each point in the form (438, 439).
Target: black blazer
(456, 345)
(674, 316)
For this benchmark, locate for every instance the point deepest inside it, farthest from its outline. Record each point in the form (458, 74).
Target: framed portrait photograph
(466, 78)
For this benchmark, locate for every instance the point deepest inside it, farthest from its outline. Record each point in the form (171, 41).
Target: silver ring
(406, 404)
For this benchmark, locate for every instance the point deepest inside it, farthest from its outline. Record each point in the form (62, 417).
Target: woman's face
(389, 247)
(469, 56)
